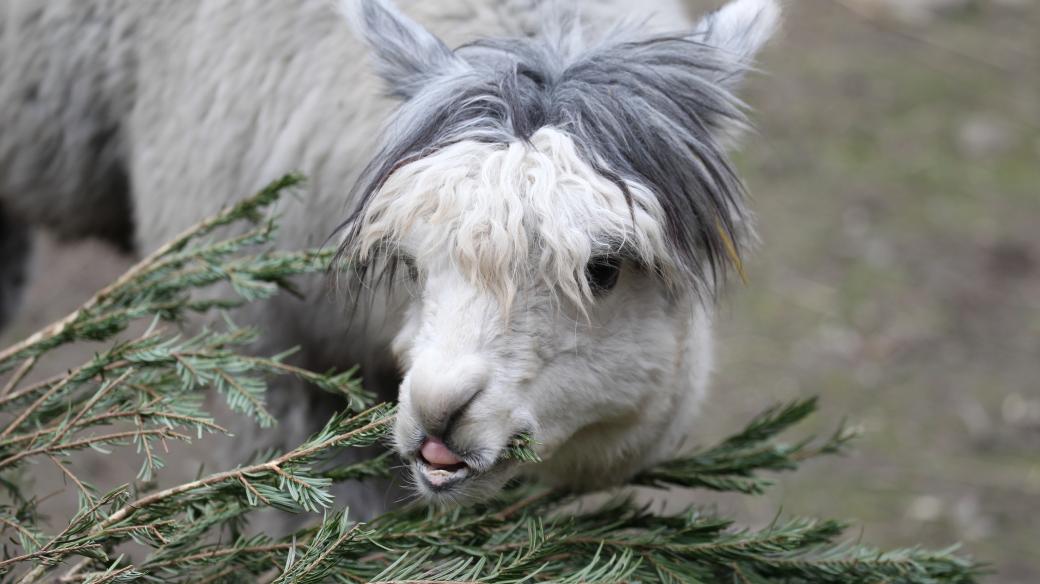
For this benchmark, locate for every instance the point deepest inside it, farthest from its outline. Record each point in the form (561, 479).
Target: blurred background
(896, 177)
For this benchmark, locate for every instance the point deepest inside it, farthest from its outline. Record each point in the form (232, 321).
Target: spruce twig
(150, 388)
(248, 208)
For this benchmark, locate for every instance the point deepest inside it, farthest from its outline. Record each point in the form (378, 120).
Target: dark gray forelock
(649, 110)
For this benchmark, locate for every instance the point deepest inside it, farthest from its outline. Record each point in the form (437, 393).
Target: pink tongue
(436, 453)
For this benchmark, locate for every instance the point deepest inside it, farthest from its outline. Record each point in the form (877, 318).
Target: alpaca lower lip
(439, 477)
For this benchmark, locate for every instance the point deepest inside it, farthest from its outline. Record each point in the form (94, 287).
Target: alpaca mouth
(445, 474)
(439, 466)
(443, 478)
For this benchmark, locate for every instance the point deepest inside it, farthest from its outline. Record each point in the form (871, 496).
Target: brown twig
(249, 487)
(221, 552)
(34, 406)
(55, 379)
(112, 575)
(21, 530)
(88, 422)
(71, 476)
(85, 442)
(94, 399)
(18, 376)
(46, 552)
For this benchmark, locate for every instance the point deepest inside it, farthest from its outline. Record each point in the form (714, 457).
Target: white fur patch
(512, 213)
(741, 27)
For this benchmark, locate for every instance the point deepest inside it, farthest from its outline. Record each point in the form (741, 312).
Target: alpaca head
(560, 216)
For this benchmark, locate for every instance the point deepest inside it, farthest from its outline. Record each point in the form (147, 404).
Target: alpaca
(534, 243)
(14, 251)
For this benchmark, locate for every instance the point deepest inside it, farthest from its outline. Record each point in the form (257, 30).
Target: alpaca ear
(407, 55)
(739, 30)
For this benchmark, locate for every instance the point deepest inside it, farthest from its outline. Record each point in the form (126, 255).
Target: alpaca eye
(410, 268)
(602, 273)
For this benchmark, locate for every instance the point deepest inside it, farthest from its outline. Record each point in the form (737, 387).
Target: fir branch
(66, 329)
(377, 419)
(111, 417)
(30, 540)
(154, 385)
(50, 555)
(345, 385)
(86, 493)
(733, 465)
(221, 553)
(360, 429)
(315, 564)
(377, 467)
(246, 399)
(521, 449)
(105, 388)
(27, 412)
(18, 376)
(114, 438)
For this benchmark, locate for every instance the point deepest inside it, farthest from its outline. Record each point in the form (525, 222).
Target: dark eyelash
(621, 249)
(393, 259)
(603, 272)
(409, 264)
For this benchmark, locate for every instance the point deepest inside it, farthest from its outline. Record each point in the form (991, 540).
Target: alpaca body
(133, 119)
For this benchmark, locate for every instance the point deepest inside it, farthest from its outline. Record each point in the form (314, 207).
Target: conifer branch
(148, 389)
(247, 209)
(18, 376)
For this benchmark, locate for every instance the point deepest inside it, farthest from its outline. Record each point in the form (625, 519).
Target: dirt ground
(897, 183)
(896, 176)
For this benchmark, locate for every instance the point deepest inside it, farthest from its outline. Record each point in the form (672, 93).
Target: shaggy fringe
(647, 114)
(508, 213)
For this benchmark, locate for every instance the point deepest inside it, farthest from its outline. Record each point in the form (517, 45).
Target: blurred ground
(897, 183)
(896, 176)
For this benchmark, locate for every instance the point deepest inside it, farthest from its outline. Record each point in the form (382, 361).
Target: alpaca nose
(441, 391)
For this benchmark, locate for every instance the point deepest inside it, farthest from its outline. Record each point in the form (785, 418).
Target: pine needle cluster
(147, 390)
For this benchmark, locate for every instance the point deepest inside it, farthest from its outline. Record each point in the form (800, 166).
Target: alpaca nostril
(441, 389)
(437, 418)
(453, 419)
